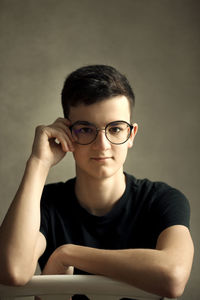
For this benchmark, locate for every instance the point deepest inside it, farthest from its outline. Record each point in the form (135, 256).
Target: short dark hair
(93, 83)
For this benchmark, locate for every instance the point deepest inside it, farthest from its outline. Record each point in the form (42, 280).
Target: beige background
(155, 43)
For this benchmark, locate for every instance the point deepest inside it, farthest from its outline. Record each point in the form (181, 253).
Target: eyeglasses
(117, 132)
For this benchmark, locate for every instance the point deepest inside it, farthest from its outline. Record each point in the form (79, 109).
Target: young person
(103, 221)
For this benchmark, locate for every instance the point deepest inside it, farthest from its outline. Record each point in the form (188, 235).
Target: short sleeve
(170, 207)
(45, 210)
(44, 207)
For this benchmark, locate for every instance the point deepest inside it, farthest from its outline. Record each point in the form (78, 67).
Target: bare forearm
(144, 268)
(118, 264)
(20, 228)
(21, 243)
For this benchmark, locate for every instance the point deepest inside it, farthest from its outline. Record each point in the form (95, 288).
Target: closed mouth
(101, 158)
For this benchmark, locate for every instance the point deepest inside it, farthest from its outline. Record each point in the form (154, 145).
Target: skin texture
(99, 169)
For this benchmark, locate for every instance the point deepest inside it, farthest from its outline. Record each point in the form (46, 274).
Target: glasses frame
(99, 129)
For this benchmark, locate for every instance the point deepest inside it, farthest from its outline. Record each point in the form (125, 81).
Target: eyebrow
(82, 123)
(116, 122)
(89, 123)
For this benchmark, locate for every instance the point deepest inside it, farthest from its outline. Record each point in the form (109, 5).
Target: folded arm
(21, 243)
(163, 271)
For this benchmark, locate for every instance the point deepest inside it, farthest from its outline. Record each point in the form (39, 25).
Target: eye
(84, 130)
(115, 129)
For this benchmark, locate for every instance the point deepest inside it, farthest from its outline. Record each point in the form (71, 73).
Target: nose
(101, 142)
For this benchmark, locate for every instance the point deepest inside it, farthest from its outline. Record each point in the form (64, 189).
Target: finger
(59, 135)
(69, 270)
(57, 141)
(60, 132)
(64, 124)
(64, 141)
(62, 121)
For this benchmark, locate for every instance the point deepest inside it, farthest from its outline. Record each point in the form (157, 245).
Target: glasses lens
(118, 132)
(84, 133)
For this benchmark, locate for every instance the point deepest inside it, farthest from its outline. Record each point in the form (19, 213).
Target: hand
(55, 264)
(52, 142)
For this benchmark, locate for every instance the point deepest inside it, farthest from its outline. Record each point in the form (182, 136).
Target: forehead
(103, 112)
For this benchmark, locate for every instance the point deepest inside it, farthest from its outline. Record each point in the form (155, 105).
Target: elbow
(17, 280)
(175, 283)
(14, 272)
(15, 277)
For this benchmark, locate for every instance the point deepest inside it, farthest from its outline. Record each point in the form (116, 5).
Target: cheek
(121, 153)
(80, 152)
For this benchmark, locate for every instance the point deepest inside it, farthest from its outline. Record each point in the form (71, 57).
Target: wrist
(63, 254)
(38, 164)
(58, 262)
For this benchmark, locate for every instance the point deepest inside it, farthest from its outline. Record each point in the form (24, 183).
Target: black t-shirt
(145, 209)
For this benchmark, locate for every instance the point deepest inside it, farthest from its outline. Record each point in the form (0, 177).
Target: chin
(102, 173)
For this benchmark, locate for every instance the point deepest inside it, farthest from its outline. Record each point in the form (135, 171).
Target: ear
(133, 134)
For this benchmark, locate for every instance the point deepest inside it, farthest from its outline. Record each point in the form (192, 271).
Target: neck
(98, 196)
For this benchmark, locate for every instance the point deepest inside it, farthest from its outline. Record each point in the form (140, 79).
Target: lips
(101, 158)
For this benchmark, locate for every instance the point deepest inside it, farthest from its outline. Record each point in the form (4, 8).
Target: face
(102, 159)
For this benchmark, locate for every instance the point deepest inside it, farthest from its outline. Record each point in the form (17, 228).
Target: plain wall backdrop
(155, 43)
